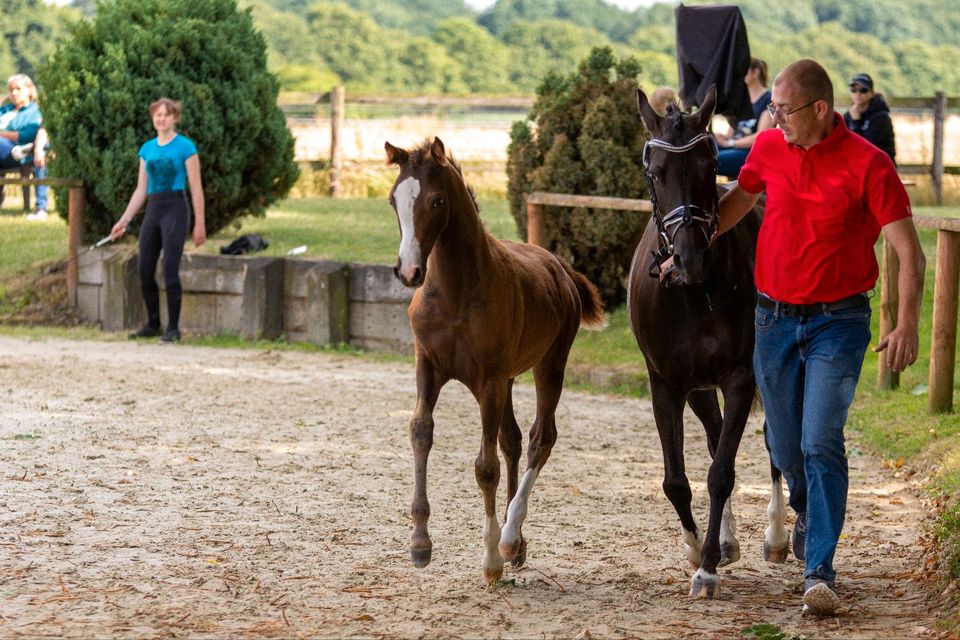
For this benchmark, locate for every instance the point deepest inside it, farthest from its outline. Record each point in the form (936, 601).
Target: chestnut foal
(484, 312)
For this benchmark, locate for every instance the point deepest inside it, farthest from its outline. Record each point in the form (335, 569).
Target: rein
(685, 214)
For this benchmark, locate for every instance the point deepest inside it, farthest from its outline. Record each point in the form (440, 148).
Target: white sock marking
(775, 534)
(693, 541)
(492, 561)
(728, 524)
(517, 512)
(405, 195)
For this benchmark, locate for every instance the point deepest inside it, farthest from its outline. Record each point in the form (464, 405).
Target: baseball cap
(864, 79)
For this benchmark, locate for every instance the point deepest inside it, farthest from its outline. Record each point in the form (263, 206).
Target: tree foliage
(29, 32)
(103, 77)
(584, 136)
(381, 45)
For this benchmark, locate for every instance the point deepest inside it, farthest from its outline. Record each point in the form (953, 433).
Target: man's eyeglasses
(777, 112)
(859, 90)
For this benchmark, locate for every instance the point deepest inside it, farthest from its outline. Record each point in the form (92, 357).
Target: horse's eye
(438, 203)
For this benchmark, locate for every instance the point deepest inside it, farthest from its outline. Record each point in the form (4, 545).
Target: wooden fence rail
(75, 207)
(945, 292)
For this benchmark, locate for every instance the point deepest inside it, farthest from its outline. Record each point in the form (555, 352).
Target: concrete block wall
(378, 309)
(321, 302)
(315, 301)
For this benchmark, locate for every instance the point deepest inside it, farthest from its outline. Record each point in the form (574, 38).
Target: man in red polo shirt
(829, 195)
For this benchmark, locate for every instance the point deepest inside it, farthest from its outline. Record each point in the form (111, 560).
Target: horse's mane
(421, 153)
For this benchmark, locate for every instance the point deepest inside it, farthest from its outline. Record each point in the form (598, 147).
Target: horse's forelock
(422, 153)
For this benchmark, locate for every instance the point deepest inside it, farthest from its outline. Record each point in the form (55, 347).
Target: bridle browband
(685, 214)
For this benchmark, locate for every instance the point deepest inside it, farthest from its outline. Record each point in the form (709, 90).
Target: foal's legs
(511, 444)
(548, 376)
(668, 413)
(707, 408)
(492, 397)
(429, 384)
(738, 398)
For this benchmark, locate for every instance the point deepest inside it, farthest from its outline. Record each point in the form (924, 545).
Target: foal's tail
(591, 305)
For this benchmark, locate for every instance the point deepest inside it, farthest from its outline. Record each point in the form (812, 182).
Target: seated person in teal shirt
(19, 122)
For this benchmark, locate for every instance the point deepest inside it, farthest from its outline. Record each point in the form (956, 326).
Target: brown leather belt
(813, 308)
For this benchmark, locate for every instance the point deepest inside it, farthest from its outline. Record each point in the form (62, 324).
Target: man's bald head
(809, 79)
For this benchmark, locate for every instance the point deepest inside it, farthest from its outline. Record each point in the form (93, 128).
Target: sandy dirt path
(157, 491)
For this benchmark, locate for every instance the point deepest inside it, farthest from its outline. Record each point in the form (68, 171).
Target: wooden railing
(537, 200)
(76, 205)
(945, 292)
(945, 297)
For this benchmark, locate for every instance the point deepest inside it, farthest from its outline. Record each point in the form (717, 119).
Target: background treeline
(911, 47)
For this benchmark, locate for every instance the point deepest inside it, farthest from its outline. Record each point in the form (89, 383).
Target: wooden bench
(23, 172)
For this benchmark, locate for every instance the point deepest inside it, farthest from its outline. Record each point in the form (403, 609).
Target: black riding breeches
(164, 227)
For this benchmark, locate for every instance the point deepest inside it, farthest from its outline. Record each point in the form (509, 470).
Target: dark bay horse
(694, 324)
(484, 312)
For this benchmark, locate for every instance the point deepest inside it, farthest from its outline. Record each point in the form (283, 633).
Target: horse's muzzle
(414, 281)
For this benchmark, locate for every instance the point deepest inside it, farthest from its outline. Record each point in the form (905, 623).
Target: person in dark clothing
(735, 147)
(869, 115)
(168, 163)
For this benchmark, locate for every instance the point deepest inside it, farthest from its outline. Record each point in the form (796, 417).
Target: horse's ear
(650, 117)
(438, 152)
(706, 109)
(395, 155)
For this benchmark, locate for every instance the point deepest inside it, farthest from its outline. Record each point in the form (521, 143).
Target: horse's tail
(591, 305)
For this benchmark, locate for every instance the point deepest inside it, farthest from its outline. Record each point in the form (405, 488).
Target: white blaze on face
(404, 196)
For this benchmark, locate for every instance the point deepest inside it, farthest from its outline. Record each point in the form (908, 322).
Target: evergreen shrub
(583, 136)
(98, 86)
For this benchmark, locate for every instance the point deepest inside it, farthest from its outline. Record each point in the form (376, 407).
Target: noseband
(685, 214)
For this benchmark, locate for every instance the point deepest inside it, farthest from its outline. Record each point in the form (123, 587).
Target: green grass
(354, 230)
(24, 243)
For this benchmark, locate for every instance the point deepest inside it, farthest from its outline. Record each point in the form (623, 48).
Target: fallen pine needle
(550, 579)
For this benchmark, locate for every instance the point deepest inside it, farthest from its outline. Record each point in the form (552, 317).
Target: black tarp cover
(712, 48)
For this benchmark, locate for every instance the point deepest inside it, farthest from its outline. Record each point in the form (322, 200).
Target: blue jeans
(6, 156)
(807, 370)
(730, 161)
(43, 191)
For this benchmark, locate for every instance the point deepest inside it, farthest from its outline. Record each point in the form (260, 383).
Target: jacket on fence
(875, 125)
(712, 48)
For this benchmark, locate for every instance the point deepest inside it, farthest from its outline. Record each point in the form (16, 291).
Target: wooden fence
(76, 205)
(947, 277)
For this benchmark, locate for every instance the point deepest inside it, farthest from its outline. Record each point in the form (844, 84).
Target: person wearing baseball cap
(869, 115)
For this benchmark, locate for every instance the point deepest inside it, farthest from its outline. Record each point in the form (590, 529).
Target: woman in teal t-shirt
(168, 163)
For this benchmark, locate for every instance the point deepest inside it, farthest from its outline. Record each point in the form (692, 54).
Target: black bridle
(684, 215)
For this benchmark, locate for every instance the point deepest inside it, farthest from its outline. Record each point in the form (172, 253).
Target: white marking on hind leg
(404, 196)
(517, 512)
(775, 535)
(692, 541)
(492, 562)
(729, 546)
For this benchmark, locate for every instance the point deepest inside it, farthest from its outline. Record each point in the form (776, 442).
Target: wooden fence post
(936, 167)
(944, 343)
(337, 103)
(535, 224)
(77, 203)
(889, 307)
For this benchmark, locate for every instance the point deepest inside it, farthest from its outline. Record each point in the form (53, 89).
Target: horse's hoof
(509, 551)
(420, 557)
(490, 576)
(705, 585)
(729, 553)
(521, 556)
(774, 555)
